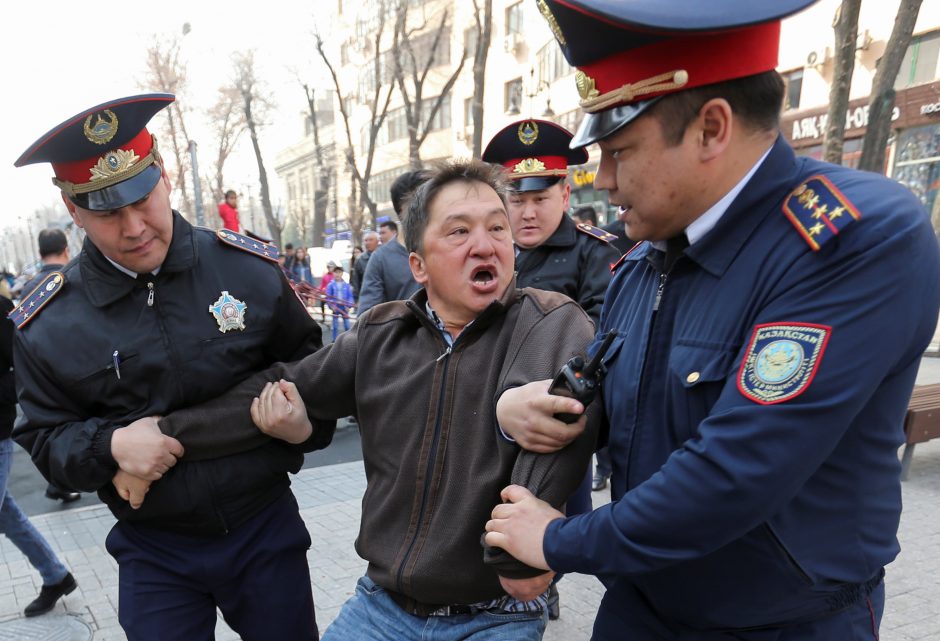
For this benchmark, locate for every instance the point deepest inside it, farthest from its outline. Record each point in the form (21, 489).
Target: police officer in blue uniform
(152, 316)
(769, 331)
(553, 252)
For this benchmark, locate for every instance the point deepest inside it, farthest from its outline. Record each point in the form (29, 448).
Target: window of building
(467, 111)
(381, 184)
(470, 38)
(917, 165)
(514, 19)
(794, 87)
(512, 96)
(570, 120)
(920, 63)
(551, 63)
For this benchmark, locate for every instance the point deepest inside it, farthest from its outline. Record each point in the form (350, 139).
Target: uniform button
(691, 378)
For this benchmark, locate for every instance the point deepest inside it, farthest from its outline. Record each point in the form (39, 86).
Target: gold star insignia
(835, 213)
(41, 294)
(816, 229)
(809, 202)
(820, 211)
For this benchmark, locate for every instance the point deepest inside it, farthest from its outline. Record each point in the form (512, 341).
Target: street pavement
(329, 498)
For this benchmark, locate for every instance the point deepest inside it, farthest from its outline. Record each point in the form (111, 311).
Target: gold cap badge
(103, 130)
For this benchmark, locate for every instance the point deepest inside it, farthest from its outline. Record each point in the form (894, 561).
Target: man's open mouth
(482, 275)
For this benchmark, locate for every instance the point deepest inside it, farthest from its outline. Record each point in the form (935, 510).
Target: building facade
(527, 76)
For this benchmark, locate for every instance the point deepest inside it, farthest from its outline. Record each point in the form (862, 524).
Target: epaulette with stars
(596, 232)
(248, 244)
(613, 268)
(39, 297)
(819, 211)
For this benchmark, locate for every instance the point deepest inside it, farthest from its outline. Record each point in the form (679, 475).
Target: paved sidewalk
(329, 498)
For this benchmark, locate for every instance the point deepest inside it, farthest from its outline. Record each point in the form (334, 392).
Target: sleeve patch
(34, 301)
(596, 232)
(819, 211)
(248, 244)
(781, 361)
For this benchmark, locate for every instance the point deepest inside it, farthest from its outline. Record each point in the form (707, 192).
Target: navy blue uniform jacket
(742, 497)
(99, 356)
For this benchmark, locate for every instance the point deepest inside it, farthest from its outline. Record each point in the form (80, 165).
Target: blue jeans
(371, 614)
(18, 529)
(336, 319)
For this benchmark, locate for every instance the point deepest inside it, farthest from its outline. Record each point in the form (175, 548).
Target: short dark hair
(52, 241)
(462, 170)
(404, 186)
(756, 100)
(230, 192)
(586, 214)
(337, 268)
(391, 225)
(288, 247)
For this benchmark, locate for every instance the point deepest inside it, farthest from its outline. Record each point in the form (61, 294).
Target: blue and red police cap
(104, 158)
(630, 54)
(534, 153)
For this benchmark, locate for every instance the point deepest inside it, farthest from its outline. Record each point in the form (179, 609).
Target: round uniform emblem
(778, 361)
(781, 361)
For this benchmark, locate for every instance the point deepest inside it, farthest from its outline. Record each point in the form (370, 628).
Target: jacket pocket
(698, 372)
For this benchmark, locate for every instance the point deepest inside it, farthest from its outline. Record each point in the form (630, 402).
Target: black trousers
(257, 575)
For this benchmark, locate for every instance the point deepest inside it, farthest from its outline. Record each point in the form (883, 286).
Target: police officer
(156, 315)
(761, 371)
(552, 251)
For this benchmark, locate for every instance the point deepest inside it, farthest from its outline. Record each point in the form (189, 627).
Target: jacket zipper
(660, 290)
(432, 456)
(150, 294)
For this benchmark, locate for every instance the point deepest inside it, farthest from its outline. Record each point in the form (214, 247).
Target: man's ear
(73, 212)
(418, 268)
(715, 122)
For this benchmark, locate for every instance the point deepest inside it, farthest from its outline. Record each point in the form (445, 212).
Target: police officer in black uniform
(156, 315)
(552, 251)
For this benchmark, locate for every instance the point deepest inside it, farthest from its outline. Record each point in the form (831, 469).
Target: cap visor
(595, 127)
(122, 194)
(535, 183)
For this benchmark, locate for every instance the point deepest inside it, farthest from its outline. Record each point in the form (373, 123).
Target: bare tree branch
(845, 26)
(254, 106)
(882, 89)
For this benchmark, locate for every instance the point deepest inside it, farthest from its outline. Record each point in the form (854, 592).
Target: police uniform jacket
(755, 397)
(573, 263)
(109, 349)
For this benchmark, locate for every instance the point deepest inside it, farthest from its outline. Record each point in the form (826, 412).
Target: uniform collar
(421, 308)
(564, 235)
(104, 283)
(718, 246)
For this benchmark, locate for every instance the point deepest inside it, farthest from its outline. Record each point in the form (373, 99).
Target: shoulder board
(596, 232)
(819, 211)
(248, 244)
(33, 302)
(613, 268)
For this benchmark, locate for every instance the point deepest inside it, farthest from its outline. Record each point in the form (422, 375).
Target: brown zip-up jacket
(434, 457)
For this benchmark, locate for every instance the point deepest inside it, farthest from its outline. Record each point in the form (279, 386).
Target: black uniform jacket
(99, 356)
(571, 262)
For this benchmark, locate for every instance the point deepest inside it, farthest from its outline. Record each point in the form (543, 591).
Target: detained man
(423, 377)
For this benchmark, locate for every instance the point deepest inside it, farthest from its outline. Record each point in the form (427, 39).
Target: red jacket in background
(229, 216)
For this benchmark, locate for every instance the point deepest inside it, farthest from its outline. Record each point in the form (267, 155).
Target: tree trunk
(274, 227)
(882, 91)
(845, 26)
(484, 36)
